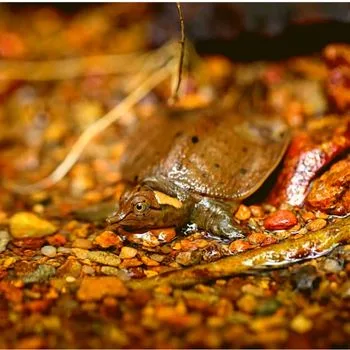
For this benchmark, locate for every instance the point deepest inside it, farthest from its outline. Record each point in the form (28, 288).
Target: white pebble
(49, 250)
(70, 279)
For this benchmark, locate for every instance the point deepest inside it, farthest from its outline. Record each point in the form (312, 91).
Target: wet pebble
(247, 303)
(146, 239)
(188, 258)
(96, 288)
(29, 243)
(332, 265)
(104, 258)
(64, 250)
(243, 213)
(164, 235)
(301, 324)
(269, 307)
(71, 267)
(239, 245)
(49, 250)
(280, 220)
(257, 238)
(57, 240)
(108, 239)
(82, 243)
(316, 224)
(306, 278)
(113, 271)
(41, 274)
(24, 225)
(257, 211)
(127, 253)
(4, 239)
(88, 270)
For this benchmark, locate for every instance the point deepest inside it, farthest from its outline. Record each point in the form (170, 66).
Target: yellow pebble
(243, 213)
(127, 253)
(317, 224)
(301, 324)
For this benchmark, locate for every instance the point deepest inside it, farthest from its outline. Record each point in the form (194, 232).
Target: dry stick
(155, 60)
(175, 95)
(94, 129)
(311, 245)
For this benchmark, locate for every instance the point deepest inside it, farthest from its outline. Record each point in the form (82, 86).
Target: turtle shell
(221, 155)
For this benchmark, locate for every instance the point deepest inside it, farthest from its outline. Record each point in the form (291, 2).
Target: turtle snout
(115, 218)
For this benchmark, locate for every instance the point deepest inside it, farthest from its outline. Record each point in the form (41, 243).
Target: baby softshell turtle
(196, 167)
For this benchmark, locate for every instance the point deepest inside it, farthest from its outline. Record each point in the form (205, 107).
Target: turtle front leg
(216, 217)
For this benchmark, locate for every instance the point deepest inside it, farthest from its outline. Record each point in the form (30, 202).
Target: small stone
(49, 250)
(127, 253)
(247, 303)
(64, 250)
(269, 307)
(24, 224)
(239, 245)
(243, 213)
(82, 243)
(38, 208)
(88, 270)
(188, 258)
(103, 258)
(308, 215)
(332, 266)
(148, 261)
(4, 239)
(96, 288)
(257, 211)
(29, 243)
(108, 239)
(164, 235)
(70, 279)
(157, 257)
(316, 224)
(150, 273)
(113, 271)
(256, 238)
(280, 220)
(301, 324)
(110, 301)
(132, 262)
(321, 215)
(305, 278)
(41, 274)
(147, 239)
(57, 240)
(71, 267)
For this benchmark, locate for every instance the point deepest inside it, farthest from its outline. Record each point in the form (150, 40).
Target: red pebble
(57, 240)
(280, 220)
(29, 243)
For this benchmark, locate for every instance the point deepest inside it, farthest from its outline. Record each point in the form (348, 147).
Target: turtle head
(144, 208)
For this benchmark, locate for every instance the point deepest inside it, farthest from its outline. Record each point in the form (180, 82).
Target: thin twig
(155, 60)
(94, 129)
(175, 95)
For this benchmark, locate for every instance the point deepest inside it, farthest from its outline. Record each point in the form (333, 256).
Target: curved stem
(311, 245)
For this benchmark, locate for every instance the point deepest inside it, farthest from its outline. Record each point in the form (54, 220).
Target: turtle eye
(140, 207)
